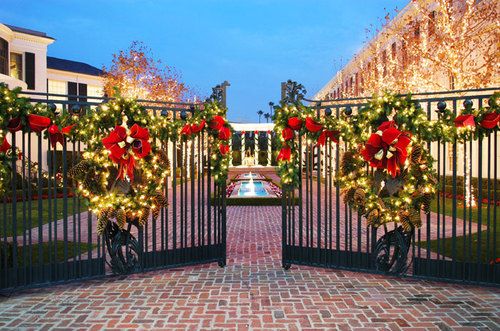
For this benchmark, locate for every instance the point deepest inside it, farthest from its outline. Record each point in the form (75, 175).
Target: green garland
(394, 192)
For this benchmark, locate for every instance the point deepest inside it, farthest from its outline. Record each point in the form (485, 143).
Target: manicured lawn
(460, 210)
(49, 251)
(7, 209)
(460, 256)
(445, 246)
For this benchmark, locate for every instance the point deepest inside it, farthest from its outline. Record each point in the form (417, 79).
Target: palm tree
(260, 112)
(267, 116)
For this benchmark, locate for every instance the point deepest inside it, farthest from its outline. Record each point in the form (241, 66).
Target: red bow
(119, 143)
(287, 134)
(224, 133)
(328, 134)
(285, 154)
(56, 135)
(5, 145)
(490, 120)
(190, 129)
(217, 122)
(295, 123)
(312, 125)
(386, 149)
(224, 149)
(36, 123)
(464, 121)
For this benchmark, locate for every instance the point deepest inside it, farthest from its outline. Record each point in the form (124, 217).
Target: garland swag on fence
(390, 136)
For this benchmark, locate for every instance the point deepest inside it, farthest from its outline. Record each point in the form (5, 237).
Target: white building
(24, 63)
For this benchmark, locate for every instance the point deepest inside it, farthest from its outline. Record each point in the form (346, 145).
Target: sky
(255, 45)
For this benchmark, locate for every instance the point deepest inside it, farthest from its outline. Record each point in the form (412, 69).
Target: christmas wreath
(123, 169)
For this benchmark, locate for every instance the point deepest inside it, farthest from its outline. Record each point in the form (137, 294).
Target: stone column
(269, 148)
(231, 151)
(256, 150)
(242, 146)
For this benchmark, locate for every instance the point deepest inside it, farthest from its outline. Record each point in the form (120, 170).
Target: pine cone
(426, 203)
(359, 197)
(373, 217)
(121, 218)
(349, 195)
(347, 163)
(416, 153)
(415, 219)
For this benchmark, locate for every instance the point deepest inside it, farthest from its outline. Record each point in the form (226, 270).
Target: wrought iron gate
(48, 236)
(319, 229)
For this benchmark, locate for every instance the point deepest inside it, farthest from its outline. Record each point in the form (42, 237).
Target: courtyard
(253, 292)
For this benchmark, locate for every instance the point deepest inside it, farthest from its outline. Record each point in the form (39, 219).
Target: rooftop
(72, 66)
(28, 31)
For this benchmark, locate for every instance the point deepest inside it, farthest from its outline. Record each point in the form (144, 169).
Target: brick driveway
(251, 293)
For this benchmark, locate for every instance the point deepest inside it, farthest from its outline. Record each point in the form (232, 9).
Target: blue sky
(253, 44)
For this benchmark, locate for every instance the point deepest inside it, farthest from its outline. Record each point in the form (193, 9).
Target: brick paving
(253, 293)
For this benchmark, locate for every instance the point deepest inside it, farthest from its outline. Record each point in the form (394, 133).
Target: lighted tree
(135, 73)
(441, 45)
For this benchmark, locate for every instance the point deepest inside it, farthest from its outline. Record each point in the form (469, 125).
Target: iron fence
(48, 235)
(457, 241)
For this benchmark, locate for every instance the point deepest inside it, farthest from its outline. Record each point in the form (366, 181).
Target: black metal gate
(455, 242)
(47, 235)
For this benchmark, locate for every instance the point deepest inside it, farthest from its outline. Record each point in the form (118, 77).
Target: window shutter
(72, 90)
(30, 70)
(82, 91)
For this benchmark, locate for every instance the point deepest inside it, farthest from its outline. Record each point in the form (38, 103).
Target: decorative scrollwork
(123, 248)
(293, 92)
(391, 251)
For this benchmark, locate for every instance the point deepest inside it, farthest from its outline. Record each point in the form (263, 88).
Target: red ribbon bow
(295, 123)
(328, 134)
(224, 133)
(56, 135)
(464, 121)
(312, 125)
(490, 120)
(386, 149)
(36, 123)
(285, 154)
(5, 145)
(287, 134)
(190, 129)
(224, 149)
(119, 143)
(217, 122)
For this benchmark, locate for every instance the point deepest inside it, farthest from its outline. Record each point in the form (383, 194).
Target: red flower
(285, 154)
(490, 120)
(224, 133)
(5, 145)
(224, 149)
(386, 149)
(287, 134)
(328, 134)
(56, 134)
(217, 122)
(295, 123)
(464, 121)
(312, 125)
(195, 128)
(186, 130)
(119, 143)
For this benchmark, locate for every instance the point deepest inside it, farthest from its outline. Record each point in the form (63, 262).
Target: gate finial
(292, 92)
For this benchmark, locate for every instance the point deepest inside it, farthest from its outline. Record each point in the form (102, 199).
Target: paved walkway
(253, 293)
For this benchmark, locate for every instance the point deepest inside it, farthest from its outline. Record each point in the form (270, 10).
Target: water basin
(252, 189)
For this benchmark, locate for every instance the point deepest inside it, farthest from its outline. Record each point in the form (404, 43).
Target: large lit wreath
(390, 134)
(123, 169)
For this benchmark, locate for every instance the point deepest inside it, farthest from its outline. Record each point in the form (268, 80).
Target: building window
(57, 87)
(94, 91)
(4, 56)
(16, 65)
(404, 55)
(384, 63)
